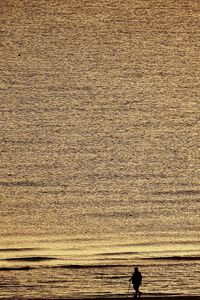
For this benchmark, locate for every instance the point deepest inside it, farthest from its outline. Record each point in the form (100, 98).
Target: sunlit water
(99, 148)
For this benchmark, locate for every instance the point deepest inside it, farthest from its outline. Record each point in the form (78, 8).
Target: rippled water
(99, 147)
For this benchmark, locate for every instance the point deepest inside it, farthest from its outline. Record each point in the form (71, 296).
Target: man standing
(136, 279)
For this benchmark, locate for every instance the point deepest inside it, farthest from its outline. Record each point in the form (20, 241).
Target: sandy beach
(146, 297)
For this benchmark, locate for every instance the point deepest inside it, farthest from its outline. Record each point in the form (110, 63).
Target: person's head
(136, 269)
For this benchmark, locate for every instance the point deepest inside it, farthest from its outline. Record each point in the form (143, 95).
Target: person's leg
(136, 291)
(139, 293)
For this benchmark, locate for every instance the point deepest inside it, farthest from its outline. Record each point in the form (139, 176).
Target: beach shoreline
(145, 297)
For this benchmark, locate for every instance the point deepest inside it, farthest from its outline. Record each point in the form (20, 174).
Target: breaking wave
(31, 258)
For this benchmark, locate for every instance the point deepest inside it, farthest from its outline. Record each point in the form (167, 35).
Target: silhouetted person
(136, 279)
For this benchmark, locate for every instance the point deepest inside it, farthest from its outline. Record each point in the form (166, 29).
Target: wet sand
(168, 297)
(145, 297)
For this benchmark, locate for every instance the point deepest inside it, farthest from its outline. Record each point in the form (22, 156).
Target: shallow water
(99, 147)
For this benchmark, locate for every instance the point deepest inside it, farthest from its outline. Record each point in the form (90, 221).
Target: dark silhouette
(136, 279)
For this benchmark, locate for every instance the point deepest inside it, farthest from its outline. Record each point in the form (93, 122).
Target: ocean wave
(31, 258)
(18, 249)
(174, 258)
(21, 183)
(76, 266)
(181, 192)
(117, 253)
(26, 268)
